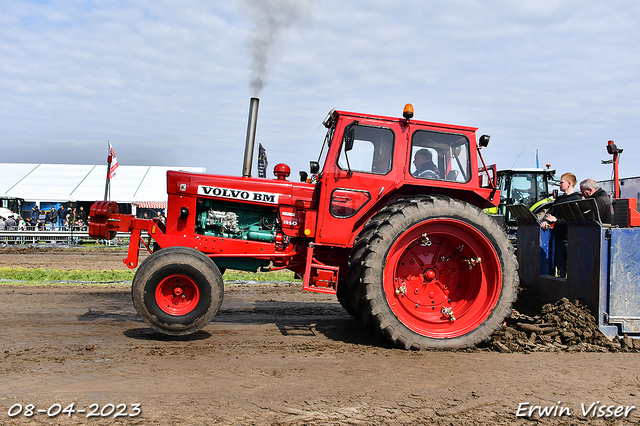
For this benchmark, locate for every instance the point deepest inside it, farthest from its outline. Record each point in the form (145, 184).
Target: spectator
(11, 224)
(35, 213)
(2, 224)
(160, 217)
(42, 219)
(591, 189)
(22, 225)
(62, 214)
(82, 217)
(52, 217)
(77, 222)
(559, 225)
(71, 217)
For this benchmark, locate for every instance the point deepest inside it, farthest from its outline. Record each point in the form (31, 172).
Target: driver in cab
(425, 167)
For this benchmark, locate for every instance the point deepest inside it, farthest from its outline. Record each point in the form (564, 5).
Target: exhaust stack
(251, 137)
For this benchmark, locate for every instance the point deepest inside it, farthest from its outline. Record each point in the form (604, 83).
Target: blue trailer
(603, 265)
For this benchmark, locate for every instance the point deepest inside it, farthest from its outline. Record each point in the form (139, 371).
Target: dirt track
(273, 355)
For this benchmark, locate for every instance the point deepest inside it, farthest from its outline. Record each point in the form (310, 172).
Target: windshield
(322, 157)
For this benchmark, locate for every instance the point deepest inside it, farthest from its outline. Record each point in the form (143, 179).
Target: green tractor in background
(532, 187)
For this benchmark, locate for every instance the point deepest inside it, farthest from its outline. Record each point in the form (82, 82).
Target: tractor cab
(533, 188)
(368, 161)
(367, 148)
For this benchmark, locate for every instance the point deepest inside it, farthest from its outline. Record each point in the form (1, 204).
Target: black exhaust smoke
(251, 137)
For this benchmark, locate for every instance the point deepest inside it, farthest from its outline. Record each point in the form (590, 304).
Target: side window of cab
(371, 149)
(440, 156)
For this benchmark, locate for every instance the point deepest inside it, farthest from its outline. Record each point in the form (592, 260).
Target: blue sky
(169, 83)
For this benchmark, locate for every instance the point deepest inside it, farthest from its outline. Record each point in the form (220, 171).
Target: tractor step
(319, 277)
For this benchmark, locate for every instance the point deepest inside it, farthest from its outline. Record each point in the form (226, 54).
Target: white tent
(145, 186)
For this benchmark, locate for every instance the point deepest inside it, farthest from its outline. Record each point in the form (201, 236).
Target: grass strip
(48, 275)
(38, 275)
(282, 275)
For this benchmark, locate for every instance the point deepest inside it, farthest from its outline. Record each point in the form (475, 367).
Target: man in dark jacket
(35, 214)
(425, 167)
(552, 220)
(62, 215)
(591, 189)
(82, 216)
(52, 217)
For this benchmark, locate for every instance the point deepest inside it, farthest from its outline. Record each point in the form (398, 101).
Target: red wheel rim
(177, 295)
(442, 278)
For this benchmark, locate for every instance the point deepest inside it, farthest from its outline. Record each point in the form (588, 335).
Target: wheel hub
(429, 274)
(177, 295)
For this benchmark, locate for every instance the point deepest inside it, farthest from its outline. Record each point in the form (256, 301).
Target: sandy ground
(274, 355)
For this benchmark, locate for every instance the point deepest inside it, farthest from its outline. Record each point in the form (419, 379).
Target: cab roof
(403, 120)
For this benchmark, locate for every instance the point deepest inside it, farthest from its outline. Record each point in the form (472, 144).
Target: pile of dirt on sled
(562, 326)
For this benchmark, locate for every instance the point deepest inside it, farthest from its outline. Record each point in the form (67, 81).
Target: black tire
(355, 289)
(348, 296)
(190, 276)
(342, 293)
(377, 260)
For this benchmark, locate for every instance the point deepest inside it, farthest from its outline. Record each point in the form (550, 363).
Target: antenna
(514, 163)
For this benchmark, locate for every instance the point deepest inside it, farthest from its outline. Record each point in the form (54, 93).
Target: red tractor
(406, 248)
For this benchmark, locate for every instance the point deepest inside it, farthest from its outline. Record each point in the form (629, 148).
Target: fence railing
(71, 237)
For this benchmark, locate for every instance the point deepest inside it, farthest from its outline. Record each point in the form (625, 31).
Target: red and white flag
(114, 162)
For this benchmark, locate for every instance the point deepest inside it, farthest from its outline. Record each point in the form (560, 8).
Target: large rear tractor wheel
(177, 290)
(435, 273)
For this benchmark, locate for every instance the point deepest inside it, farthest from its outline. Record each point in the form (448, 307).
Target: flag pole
(109, 159)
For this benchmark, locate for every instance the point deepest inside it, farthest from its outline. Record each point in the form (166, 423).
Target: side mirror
(314, 167)
(484, 141)
(350, 136)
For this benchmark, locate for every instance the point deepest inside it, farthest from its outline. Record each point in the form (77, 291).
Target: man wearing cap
(11, 224)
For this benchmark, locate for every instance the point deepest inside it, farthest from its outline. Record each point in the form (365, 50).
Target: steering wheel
(429, 174)
(519, 196)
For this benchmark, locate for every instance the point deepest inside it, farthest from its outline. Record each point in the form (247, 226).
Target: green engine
(236, 220)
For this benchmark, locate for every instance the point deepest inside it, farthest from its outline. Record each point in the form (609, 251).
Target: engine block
(236, 220)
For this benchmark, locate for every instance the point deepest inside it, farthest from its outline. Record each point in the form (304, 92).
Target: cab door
(355, 177)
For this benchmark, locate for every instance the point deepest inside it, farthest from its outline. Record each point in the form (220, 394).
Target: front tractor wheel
(177, 290)
(437, 273)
